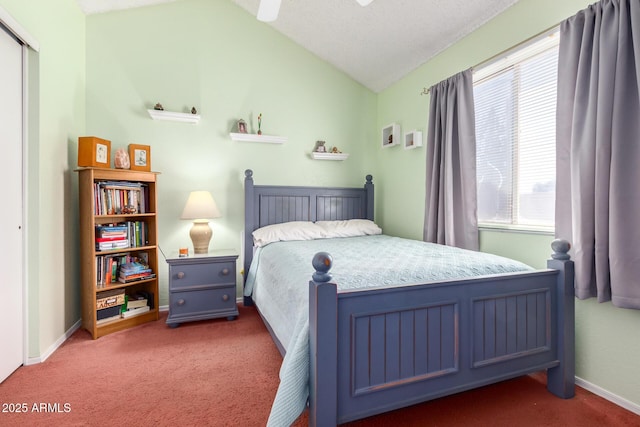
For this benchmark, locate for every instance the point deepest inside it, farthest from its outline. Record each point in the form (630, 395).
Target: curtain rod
(501, 54)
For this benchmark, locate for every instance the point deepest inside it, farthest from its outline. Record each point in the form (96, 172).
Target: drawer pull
(225, 271)
(180, 302)
(180, 275)
(225, 297)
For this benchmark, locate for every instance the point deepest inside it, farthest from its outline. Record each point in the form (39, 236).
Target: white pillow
(293, 230)
(349, 227)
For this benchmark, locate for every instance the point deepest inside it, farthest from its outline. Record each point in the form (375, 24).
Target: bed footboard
(377, 350)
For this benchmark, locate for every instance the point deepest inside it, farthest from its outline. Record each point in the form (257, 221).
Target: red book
(110, 238)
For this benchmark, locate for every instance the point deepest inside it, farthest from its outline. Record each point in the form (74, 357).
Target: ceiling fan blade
(268, 10)
(364, 2)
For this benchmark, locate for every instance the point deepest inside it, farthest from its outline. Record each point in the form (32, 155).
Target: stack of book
(135, 304)
(108, 266)
(111, 236)
(134, 271)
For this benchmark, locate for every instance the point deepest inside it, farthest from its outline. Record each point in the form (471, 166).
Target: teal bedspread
(280, 273)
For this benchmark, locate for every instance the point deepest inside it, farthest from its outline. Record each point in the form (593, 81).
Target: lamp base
(200, 235)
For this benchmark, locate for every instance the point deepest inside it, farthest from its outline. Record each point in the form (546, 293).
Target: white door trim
(28, 41)
(18, 30)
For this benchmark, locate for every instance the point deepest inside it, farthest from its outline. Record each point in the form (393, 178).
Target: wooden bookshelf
(90, 217)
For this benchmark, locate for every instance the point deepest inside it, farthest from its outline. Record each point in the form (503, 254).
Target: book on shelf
(107, 230)
(112, 244)
(134, 267)
(134, 232)
(135, 301)
(135, 311)
(108, 266)
(146, 294)
(109, 319)
(111, 237)
(120, 197)
(132, 274)
(136, 278)
(108, 314)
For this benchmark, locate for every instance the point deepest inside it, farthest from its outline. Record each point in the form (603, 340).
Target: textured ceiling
(376, 45)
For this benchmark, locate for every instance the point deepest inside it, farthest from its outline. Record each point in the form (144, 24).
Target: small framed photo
(140, 157)
(242, 126)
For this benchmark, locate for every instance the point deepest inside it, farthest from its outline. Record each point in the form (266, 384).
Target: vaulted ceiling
(376, 45)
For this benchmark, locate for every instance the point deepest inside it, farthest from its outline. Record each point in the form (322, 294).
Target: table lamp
(200, 208)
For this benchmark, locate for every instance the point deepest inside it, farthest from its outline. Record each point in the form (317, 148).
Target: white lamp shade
(268, 10)
(200, 205)
(364, 2)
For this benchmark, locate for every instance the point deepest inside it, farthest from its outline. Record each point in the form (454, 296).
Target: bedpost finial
(248, 173)
(322, 262)
(369, 179)
(560, 249)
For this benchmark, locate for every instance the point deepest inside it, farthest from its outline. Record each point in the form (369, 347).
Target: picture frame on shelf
(320, 147)
(391, 135)
(140, 157)
(241, 126)
(94, 152)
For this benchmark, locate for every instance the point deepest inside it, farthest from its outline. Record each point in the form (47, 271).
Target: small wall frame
(412, 139)
(140, 157)
(391, 135)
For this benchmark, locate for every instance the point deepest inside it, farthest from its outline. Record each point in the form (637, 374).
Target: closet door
(11, 214)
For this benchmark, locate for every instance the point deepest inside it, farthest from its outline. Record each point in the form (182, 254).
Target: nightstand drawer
(195, 303)
(183, 276)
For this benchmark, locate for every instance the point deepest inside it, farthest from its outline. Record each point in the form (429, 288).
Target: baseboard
(53, 347)
(597, 390)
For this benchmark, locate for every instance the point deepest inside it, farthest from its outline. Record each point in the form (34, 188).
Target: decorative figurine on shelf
(259, 123)
(193, 110)
(158, 107)
(129, 209)
(242, 126)
(320, 148)
(121, 160)
(390, 139)
(335, 150)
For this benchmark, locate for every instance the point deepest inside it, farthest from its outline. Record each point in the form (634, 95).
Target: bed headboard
(273, 204)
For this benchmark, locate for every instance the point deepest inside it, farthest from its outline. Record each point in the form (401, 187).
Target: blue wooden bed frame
(377, 350)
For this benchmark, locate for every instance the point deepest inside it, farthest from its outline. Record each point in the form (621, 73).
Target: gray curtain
(451, 200)
(598, 149)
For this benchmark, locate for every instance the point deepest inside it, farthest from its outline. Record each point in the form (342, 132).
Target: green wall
(607, 344)
(215, 56)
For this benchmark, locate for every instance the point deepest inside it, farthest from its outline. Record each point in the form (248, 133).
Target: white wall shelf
(391, 135)
(412, 139)
(329, 156)
(173, 116)
(251, 137)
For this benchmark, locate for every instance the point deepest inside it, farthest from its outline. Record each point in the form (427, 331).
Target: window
(515, 103)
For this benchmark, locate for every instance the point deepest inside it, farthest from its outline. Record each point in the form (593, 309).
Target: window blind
(515, 104)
